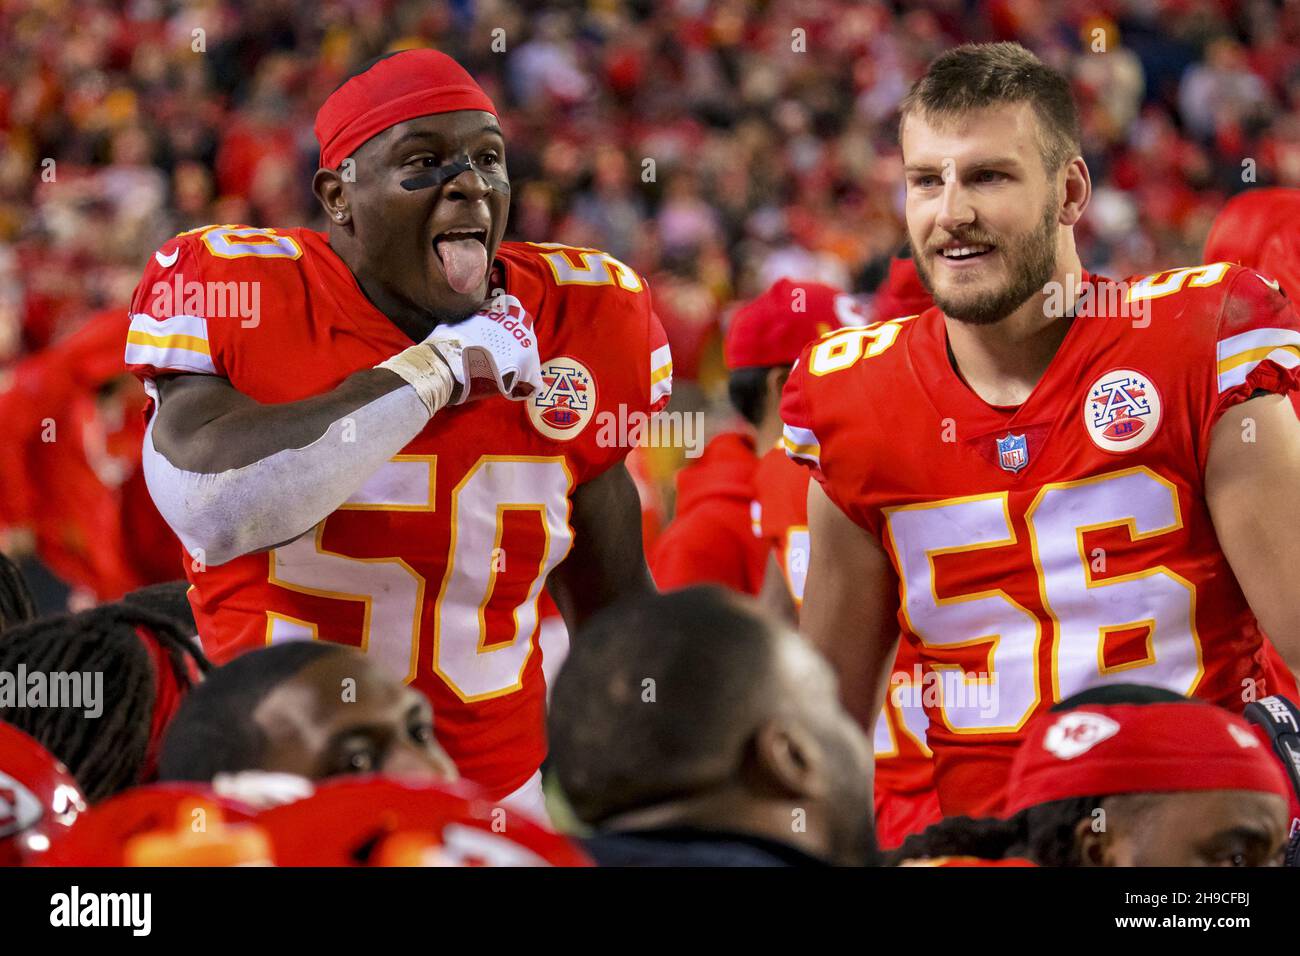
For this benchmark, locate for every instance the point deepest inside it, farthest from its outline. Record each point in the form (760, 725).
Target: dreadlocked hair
(106, 753)
(16, 605)
(1044, 834)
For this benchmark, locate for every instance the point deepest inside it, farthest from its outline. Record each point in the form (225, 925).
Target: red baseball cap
(773, 328)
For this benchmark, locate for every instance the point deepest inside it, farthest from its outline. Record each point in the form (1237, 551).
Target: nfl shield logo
(1013, 453)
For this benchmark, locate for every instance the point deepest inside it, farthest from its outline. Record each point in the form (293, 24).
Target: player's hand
(493, 351)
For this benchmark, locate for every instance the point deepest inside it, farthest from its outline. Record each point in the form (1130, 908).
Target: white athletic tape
(425, 370)
(282, 496)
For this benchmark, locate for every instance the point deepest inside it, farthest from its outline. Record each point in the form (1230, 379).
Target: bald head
(658, 698)
(694, 698)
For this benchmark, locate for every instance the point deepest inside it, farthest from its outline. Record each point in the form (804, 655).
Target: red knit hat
(1102, 750)
(773, 328)
(398, 88)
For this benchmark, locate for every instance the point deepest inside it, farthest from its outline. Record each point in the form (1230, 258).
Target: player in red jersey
(71, 430)
(1050, 481)
(769, 333)
(1256, 230)
(711, 537)
(323, 447)
(714, 537)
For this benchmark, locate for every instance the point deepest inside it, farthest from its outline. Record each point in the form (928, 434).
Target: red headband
(403, 86)
(1138, 748)
(168, 693)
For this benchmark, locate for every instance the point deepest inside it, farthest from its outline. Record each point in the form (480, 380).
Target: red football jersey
(436, 563)
(71, 468)
(905, 798)
(711, 539)
(1065, 543)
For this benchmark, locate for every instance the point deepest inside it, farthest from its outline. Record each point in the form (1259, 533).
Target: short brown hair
(977, 75)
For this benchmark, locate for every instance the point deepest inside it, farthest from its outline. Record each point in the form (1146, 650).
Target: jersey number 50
(482, 628)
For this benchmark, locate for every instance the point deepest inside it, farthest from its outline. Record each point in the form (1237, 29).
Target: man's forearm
(208, 431)
(225, 514)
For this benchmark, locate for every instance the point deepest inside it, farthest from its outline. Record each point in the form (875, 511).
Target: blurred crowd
(715, 145)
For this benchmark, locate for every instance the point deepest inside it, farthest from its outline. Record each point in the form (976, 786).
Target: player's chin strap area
(222, 516)
(1280, 719)
(438, 175)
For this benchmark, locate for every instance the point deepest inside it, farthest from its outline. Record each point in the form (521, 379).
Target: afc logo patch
(566, 401)
(1122, 410)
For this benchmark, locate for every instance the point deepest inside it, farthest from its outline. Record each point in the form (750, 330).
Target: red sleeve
(169, 325)
(698, 549)
(661, 365)
(798, 437)
(1257, 342)
(782, 489)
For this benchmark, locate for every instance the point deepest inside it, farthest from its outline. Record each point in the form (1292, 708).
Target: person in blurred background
(74, 487)
(689, 730)
(786, 318)
(1130, 775)
(309, 708)
(714, 536)
(1258, 230)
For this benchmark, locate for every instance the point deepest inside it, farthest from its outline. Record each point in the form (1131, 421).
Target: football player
(316, 710)
(1177, 782)
(71, 430)
(714, 536)
(110, 734)
(1050, 481)
(1256, 230)
(325, 449)
(767, 335)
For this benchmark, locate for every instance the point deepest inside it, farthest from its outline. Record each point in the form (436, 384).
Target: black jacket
(686, 846)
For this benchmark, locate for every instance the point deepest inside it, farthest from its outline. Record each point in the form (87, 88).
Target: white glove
(494, 350)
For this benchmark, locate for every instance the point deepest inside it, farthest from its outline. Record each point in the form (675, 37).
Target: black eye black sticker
(433, 178)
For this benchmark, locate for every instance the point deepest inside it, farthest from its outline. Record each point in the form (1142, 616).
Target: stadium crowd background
(714, 146)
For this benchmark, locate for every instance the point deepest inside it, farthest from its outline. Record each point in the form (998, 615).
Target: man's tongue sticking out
(464, 261)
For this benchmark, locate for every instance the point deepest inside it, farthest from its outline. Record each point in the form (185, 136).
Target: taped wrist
(281, 497)
(426, 371)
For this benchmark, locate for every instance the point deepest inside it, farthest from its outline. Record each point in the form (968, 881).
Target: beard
(1031, 262)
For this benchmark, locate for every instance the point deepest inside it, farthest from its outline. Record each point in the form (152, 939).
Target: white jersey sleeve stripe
(801, 443)
(1287, 357)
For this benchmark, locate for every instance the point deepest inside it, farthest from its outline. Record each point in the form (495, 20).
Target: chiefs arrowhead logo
(19, 808)
(1078, 732)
